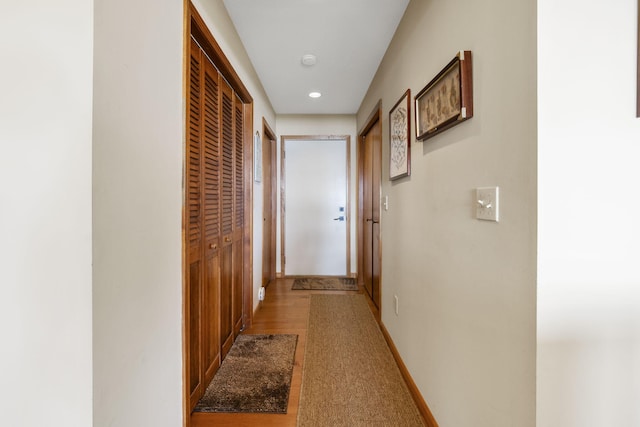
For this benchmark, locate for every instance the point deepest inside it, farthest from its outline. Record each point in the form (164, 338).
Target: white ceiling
(348, 37)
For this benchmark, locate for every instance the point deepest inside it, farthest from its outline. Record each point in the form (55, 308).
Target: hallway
(283, 311)
(531, 322)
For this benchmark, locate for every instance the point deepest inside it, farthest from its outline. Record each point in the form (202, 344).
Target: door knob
(340, 218)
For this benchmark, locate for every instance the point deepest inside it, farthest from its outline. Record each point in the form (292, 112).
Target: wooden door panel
(237, 289)
(210, 320)
(211, 163)
(195, 377)
(227, 205)
(227, 145)
(368, 259)
(376, 170)
(376, 177)
(238, 155)
(211, 222)
(194, 151)
(238, 210)
(367, 220)
(269, 220)
(226, 290)
(370, 182)
(266, 211)
(375, 264)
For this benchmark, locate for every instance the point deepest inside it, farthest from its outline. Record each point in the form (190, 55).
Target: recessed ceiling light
(308, 60)
(315, 95)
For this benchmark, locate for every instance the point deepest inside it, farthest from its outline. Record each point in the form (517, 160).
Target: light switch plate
(487, 203)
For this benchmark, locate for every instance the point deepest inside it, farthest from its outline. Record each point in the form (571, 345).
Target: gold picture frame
(447, 100)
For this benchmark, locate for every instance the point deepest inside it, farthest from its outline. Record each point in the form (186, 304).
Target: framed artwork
(448, 98)
(257, 157)
(400, 138)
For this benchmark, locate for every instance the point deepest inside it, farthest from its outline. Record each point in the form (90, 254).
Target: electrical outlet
(395, 299)
(487, 203)
(261, 293)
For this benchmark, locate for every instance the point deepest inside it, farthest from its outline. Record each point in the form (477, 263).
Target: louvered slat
(227, 163)
(193, 167)
(239, 166)
(211, 156)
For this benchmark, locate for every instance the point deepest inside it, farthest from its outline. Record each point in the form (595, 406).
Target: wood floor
(282, 312)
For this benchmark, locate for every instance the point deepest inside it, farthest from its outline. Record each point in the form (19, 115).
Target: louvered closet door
(214, 222)
(227, 205)
(211, 226)
(238, 223)
(194, 226)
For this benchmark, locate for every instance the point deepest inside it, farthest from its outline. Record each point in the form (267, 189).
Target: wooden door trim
(199, 30)
(247, 275)
(186, 61)
(282, 212)
(284, 138)
(374, 116)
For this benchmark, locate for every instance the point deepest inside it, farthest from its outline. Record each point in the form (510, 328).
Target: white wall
(138, 155)
(466, 288)
(217, 19)
(589, 246)
(45, 213)
(302, 125)
(138, 165)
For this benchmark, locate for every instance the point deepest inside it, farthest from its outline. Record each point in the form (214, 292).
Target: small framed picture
(448, 98)
(400, 138)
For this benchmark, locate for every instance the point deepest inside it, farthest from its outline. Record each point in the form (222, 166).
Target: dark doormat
(254, 377)
(325, 283)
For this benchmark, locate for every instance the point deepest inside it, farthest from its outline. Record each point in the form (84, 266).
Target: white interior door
(315, 207)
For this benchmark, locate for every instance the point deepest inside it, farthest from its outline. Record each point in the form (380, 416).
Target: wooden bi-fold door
(215, 221)
(232, 193)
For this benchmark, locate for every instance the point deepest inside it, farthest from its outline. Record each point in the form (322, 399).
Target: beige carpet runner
(349, 375)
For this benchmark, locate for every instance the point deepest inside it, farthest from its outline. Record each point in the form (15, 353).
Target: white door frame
(347, 213)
